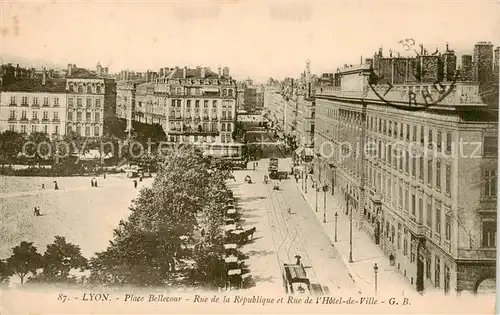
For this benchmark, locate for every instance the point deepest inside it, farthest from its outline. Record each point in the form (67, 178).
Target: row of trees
(172, 236)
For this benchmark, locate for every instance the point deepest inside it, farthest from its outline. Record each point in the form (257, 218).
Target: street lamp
(375, 269)
(336, 218)
(317, 190)
(325, 189)
(350, 229)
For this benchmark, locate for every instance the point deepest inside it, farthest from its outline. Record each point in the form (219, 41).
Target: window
(430, 140)
(438, 174)
(421, 168)
(489, 234)
(490, 183)
(400, 196)
(98, 102)
(420, 211)
(428, 266)
(390, 128)
(23, 128)
(34, 115)
(96, 131)
(413, 166)
(70, 101)
(188, 104)
(78, 130)
(12, 114)
(80, 88)
(23, 114)
(97, 117)
(79, 117)
(89, 89)
(229, 127)
(401, 131)
(179, 103)
(414, 136)
(87, 131)
(405, 243)
(429, 215)
(407, 201)
(56, 130)
(412, 252)
(448, 142)
(79, 101)
(45, 101)
(46, 129)
(12, 127)
(437, 272)
(408, 132)
(429, 172)
(422, 135)
(446, 279)
(87, 116)
(45, 115)
(447, 227)
(223, 127)
(447, 183)
(24, 100)
(490, 145)
(197, 104)
(439, 140)
(70, 116)
(13, 100)
(55, 115)
(89, 102)
(407, 161)
(413, 205)
(205, 104)
(438, 218)
(33, 128)
(98, 89)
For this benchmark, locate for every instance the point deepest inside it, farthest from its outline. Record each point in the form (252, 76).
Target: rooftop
(80, 73)
(178, 73)
(35, 85)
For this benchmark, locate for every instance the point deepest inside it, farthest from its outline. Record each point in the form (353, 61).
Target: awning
(230, 227)
(234, 272)
(231, 259)
(230, 246)
(237, 232)
(231, 211)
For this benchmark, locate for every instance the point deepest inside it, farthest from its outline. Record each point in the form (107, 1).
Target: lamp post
(317, 190)
(375, 269)
(336, 219)
(350, 229)
(325, 189)
(305, 176)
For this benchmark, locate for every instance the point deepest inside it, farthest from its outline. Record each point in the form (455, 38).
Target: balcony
(481, 254)
(488, 205)
(24, 104)
(45, 120)
(24, 119)
(12, 119)
(56, 120)
(174, 117)
(417, 228)
(34, 120)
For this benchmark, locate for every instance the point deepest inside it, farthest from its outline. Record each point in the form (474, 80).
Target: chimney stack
(70, 67)
(184, 72)
(44, 75)
(220, 72)
(225, 72)
(202, 72)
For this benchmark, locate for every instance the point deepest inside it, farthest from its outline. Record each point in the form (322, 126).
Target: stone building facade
(424, 187)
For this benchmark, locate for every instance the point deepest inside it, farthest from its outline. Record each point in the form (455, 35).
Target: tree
(58, 260)
(5, 272)
(11, 144)
(40, 147)
(24, 260)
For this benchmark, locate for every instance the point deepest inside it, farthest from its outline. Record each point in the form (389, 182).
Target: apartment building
(31, 103)
(425, 185)
(78, 101)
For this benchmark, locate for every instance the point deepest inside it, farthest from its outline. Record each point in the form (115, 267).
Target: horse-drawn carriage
(238, 235)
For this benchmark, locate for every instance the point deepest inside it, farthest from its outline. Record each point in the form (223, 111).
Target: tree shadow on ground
(249, 215)
(251, 199)
(259, 253)
(263, 279)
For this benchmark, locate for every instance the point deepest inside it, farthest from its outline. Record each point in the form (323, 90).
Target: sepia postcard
(226, 157)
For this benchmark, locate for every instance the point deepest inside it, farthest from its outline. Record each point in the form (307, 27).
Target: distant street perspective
(365, 169)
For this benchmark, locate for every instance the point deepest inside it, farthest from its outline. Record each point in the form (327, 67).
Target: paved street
(281, 235)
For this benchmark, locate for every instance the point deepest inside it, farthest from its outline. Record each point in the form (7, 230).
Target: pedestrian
(43, 186)
(91, 182)
(55, 185)
(35, 211)
(95, 182)
(135, 183)
(104, 175)
(289, 209)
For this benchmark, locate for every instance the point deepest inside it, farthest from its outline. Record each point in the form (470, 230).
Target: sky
(256, 39)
